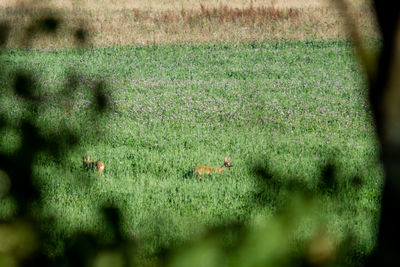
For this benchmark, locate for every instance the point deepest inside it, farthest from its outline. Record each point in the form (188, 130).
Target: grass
(278, 109)
(171, 22)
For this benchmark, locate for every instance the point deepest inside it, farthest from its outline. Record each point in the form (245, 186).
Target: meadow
(285, 112)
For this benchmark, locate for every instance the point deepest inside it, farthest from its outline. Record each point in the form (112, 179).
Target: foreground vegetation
(286, 113)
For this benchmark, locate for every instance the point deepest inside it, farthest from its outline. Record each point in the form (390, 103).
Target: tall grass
(203, 22)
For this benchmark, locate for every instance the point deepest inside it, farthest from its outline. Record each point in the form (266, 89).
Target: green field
(286, 108)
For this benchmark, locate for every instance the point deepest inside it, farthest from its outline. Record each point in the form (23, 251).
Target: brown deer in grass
(208, 170)
(93, 164)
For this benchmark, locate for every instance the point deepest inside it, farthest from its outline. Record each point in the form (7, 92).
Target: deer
(93, 164)
(208, 170)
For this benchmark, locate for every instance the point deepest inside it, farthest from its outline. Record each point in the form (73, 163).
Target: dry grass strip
(115, 22)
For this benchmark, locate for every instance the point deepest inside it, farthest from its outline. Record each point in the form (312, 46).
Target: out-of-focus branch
(384, 94)
(366, 56)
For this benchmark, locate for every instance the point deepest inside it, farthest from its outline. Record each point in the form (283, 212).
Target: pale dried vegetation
(119, 22)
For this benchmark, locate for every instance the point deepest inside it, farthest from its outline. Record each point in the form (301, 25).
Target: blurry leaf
(113, 220)
(5, 184)
(80, 36)
(8, 260)
(357, 182)
(24, 85)
(109, 258)
(204, 253)
(49, 24)
(328, 182)
(81, 249)
(4, 33)
(321, 249)
(101, 98)
(18, 239)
